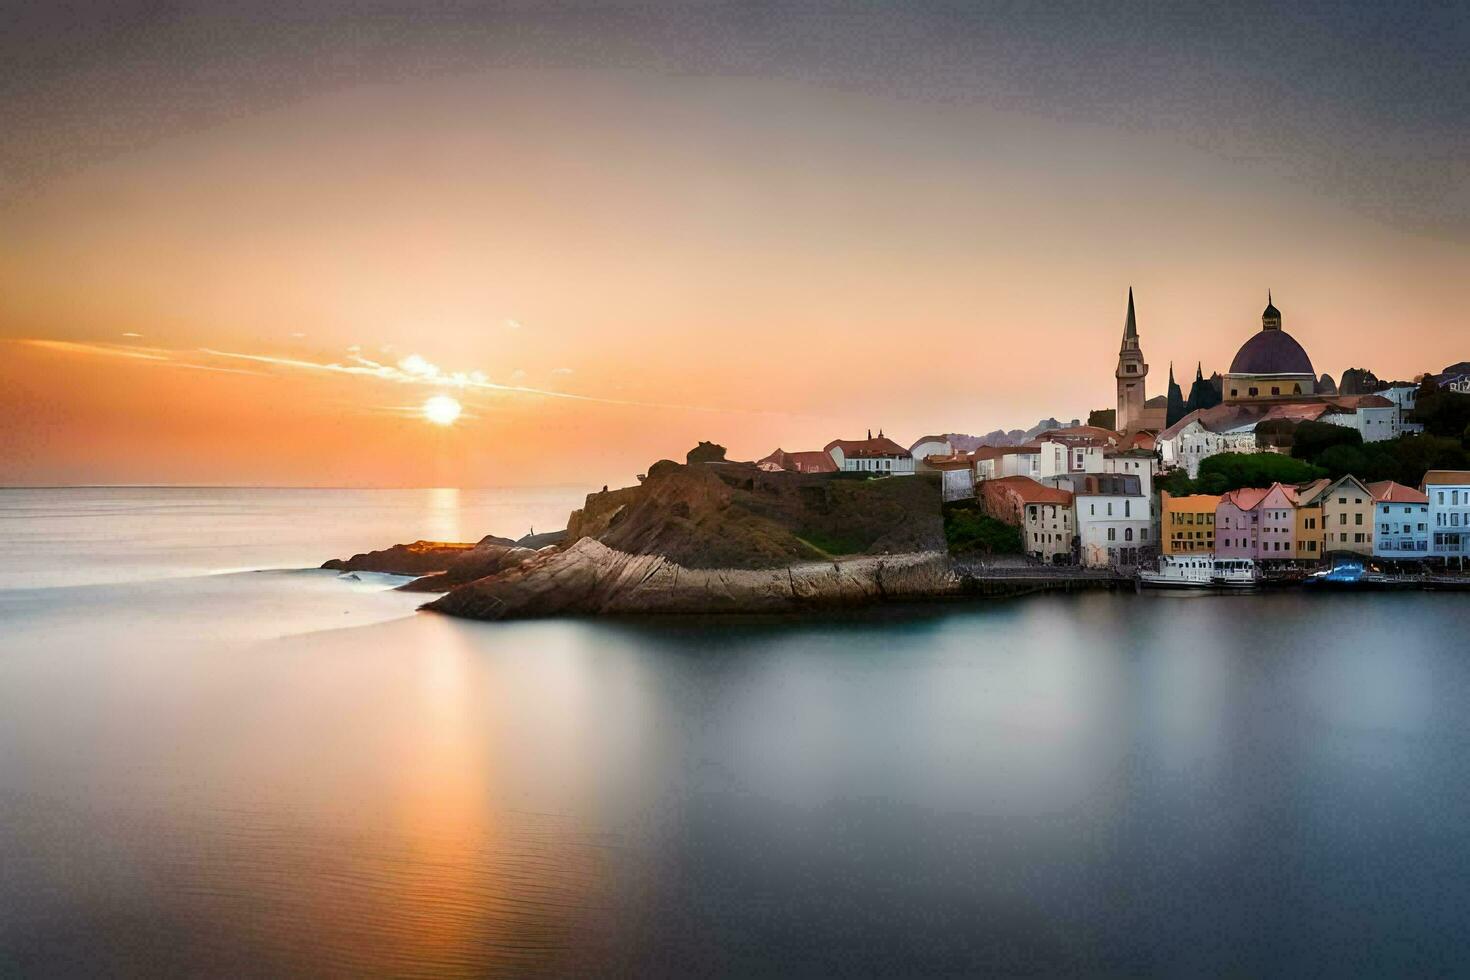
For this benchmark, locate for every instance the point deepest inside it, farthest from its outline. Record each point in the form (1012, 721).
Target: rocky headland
(706, 536)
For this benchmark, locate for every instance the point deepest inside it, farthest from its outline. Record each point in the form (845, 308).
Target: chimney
(870, 433)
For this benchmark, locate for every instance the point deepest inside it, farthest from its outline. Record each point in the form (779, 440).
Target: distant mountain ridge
(964, 443)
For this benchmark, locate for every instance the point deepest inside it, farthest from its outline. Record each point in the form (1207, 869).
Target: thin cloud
(412, 369)
(562, 370)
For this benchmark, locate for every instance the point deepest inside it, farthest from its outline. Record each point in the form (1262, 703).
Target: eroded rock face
(418, 558)
(590, 578)
(489, 557)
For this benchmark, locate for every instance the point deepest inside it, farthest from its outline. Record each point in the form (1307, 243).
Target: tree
(1231, 471)
(1105, 418)
(1312, 439)
(1178, 484)
(1343, 459)
(969, 531)
(1443, 412)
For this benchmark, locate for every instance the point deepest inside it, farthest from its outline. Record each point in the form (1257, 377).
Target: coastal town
(1268, 467)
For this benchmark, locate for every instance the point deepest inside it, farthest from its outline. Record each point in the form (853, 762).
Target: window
(1128, 534)
(1358, 519)
(1253, 392)
(1342, 518)
(1112, 534)
(1275, 390)
(1357, 538)
(1233, 393)
(1127, 508)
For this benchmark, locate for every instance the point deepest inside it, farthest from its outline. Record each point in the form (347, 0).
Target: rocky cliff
(590, 578)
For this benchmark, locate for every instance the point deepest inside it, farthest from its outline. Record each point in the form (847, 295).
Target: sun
(441, 410)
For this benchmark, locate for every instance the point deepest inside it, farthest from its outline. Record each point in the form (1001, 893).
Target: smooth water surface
(291, 771)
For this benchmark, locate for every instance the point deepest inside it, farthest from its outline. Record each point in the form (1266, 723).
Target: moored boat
(1199, 572)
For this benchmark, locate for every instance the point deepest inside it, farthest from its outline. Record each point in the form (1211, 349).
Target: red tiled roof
(867, 448)
(995, 452)
(1030, 491)
(958, 461)
(1389, 492)
(815, 461)
(1246, 498)
(1438, 477)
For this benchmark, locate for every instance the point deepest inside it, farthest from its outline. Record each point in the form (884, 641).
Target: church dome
(1272, 352)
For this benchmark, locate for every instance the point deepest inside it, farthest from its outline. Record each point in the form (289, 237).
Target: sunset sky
(244, 248)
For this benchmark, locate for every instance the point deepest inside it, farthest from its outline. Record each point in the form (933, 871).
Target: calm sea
(208, 770)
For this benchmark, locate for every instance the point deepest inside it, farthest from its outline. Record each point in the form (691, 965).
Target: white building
(1401, 521)
(956, 473)
(1405, 399)
(881, 456)
(1376, 418)
(1115, 520)
(1208, 432)
(930, 446)
(993, 462)
(1449, 513)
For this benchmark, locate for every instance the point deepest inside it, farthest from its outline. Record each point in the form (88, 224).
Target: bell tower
(1132, 370)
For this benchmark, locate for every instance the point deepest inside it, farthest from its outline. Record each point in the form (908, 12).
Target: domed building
(1271, 364)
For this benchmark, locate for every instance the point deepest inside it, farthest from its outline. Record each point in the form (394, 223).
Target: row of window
(1127, 534)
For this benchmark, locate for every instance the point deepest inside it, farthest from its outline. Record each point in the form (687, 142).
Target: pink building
(1237, 523)
(1276, 524)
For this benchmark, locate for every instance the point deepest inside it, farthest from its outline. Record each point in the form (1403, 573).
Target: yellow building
(1187, 523)
(1309, 520)
(1346, 506)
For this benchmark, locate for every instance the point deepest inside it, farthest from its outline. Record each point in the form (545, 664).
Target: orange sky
(760, 262)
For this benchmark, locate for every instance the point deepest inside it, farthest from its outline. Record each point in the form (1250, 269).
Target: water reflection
(1069, 785)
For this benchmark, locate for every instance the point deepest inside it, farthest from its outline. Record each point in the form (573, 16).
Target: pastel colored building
(1400, 521)
(1449, 513)
(1044, 515)
(1187, 524)
(1237, 523)
(1347, 516)
(1276, 524)
(1309, 520)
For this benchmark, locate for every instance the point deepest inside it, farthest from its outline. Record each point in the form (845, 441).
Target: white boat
(1200, 572)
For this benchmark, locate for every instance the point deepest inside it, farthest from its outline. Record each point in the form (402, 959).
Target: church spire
(1270, 316)
(1130, 326)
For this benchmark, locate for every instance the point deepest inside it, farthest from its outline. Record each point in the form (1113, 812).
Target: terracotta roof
(959, 461)
(1219, 418)
(995, 452)
(1246, 498)
(1030, 491)
(1093, 431)
(1444, 477)
(1360, 401)
(1296, 411)
(866, 448)
(1141, 440)
(1389, 492)
(815, 461)
(1309, 490)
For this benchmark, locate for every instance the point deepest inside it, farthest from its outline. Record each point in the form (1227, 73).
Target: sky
(244, 243)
